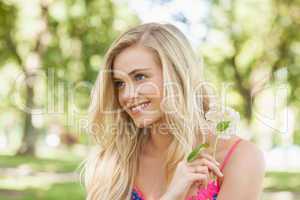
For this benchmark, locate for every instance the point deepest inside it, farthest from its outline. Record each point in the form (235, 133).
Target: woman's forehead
(133, 59)
(134, 56)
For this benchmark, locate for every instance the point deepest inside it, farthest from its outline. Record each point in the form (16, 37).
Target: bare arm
(243, 176)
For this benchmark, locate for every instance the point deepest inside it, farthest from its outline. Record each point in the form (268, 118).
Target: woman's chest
(150, 179)
(151, 182)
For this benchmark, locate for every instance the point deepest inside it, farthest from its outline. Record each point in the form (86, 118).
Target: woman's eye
(119, 84)
(139, 77)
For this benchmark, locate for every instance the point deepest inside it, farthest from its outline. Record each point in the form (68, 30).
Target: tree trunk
(29, 137)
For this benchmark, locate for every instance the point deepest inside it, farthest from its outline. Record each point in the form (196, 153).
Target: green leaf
(195, 153)
(222, 126)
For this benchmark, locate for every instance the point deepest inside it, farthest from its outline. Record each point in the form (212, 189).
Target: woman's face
(138, 80)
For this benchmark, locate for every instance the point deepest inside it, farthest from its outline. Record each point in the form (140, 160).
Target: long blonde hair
(112, 166)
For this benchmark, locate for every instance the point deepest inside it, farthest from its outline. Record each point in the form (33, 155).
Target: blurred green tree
(67, 42)
(253, 43)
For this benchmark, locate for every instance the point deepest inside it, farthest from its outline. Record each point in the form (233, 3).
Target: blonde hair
(111, 168)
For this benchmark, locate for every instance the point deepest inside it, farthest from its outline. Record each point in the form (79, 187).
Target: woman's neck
(159, 139)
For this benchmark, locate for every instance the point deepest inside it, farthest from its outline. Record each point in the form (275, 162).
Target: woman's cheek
(151, 89)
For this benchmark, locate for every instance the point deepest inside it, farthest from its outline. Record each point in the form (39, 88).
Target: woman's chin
(143, 123)
(146, 122)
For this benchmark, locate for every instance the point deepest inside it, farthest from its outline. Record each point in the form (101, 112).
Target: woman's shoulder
(250, 152)
(244, 172)
(247, 157)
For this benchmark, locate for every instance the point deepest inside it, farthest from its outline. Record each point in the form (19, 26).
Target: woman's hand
(187, 173)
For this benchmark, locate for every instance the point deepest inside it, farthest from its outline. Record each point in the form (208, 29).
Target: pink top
(213, 187)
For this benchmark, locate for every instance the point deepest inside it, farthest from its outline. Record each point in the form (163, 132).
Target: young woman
(148, 111)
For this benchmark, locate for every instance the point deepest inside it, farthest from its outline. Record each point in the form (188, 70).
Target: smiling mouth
(139, 108)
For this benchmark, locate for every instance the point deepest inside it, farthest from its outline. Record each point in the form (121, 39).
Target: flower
(224, 122)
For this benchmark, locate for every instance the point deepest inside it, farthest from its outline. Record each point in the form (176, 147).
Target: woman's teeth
(140, 107)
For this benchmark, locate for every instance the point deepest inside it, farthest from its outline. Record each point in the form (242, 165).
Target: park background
(51, 51)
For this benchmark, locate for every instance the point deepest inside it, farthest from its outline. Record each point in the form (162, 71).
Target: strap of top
(229, 153)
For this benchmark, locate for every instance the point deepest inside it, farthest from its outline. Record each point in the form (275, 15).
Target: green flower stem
(215, 147)
(214, 152)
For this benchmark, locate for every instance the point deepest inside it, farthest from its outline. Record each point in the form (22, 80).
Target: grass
(38, 164)
(282, 181)
(34, 187)
(72, 191)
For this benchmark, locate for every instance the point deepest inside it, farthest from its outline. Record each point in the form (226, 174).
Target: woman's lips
(139, 108)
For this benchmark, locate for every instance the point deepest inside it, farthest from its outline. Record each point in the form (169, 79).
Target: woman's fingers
(210, 158)
(209, 164)
(202, 178)
(199, 169)
(202, 168)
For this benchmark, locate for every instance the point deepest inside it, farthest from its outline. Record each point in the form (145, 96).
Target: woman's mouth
(139, 108)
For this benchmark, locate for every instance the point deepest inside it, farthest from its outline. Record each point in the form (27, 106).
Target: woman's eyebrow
(134, 71)
(138, 70)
